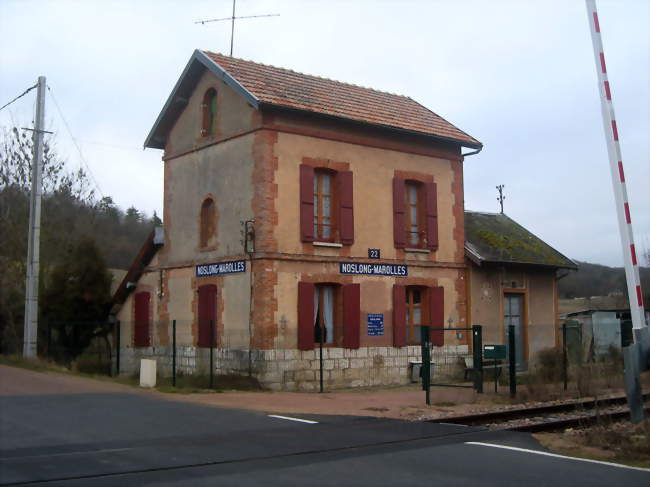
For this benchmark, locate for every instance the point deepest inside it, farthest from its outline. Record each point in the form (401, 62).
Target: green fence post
(118, 337)
(211, 354)
(565, 365)
(512, 359)
(174, 353)
(477, 351)
(426, 363)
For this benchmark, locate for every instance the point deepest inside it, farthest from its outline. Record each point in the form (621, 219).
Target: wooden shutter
(306, 315)
(141, 336)
(431, 204)
(351, 315)
(306, 203)
(207, 315)
(437, 314)
(346, 212)
(399, 203)
(399, 315)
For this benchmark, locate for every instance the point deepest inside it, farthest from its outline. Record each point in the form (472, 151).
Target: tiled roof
(283, 87)
(494, 237)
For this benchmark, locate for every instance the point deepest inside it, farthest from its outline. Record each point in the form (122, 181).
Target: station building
(298, 209)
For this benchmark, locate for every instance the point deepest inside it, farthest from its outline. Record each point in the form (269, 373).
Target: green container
(494, 352)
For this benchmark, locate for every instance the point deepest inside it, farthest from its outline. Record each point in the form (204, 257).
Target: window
(416, 314)
(209, 107)
(326, 212)
(324, 313)
(415, 214)
(208, 225)
(330, 311)
(324, 220)
(141, 335)
(415, 306)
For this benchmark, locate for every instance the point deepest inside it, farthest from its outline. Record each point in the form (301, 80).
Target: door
(207, 315)
(513, 314)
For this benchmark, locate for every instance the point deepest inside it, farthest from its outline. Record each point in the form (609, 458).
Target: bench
(487, 364)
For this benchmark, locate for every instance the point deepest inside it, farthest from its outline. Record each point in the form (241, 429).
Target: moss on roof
(494, 237)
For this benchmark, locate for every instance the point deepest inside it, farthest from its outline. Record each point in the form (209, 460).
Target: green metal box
(494, 352)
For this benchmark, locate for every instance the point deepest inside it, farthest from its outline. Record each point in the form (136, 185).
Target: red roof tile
(283, 87)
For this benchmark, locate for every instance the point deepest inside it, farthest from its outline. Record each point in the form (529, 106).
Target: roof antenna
(232, 22)
(501, 196)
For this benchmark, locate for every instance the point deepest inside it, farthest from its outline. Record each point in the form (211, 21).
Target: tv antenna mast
(232, 21)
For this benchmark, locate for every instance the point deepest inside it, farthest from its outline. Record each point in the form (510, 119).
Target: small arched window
(208, 223)
(209, 113)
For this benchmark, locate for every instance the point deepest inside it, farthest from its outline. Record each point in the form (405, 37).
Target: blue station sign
(219, 268)
(374, 269)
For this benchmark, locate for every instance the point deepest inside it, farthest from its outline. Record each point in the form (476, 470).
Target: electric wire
(19, 96)
(74, 141)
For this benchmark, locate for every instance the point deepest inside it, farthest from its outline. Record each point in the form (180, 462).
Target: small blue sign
(374, 269)
(220, 268)
(375, 325)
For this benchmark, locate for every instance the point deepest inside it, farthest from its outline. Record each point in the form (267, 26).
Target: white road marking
(537, 452)
(293, 419)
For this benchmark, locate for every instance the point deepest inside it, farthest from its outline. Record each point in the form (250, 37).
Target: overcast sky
(517, 75)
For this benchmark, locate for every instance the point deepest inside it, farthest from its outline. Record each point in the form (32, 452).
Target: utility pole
(33, 244)
(636, 355)
(501, 197)
(232, 22)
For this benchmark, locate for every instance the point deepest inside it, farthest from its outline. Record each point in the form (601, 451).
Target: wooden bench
(487, 364)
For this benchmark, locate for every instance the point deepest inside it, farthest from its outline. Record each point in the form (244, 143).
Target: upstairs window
(209, 107)
(415, 214)
(326, 205)
(324, 218)
(208, 225)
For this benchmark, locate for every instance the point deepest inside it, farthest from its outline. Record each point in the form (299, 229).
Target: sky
(517, 75)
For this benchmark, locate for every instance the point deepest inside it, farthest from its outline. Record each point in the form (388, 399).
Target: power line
(19, 96)
(74, 141)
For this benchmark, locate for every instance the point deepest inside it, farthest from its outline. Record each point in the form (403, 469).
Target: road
(65, 435)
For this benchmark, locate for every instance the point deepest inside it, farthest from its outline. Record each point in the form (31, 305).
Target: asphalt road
(125, 438)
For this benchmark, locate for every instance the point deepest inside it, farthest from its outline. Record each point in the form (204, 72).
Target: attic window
(209, 107)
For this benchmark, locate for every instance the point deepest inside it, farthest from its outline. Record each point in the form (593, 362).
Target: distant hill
(599, 280)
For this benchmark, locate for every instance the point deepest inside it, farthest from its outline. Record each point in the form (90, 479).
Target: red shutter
(141, 337)
(399, 203)
(346, 213)
(207, 315)
(437, 313)
(351, 315)
(306, 315)
(431, 202)
(306, 203)
(399, 315)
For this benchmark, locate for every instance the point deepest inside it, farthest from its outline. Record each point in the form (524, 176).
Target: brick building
(298, 209)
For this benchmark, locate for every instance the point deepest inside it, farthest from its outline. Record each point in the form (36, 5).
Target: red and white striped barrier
(618, 175)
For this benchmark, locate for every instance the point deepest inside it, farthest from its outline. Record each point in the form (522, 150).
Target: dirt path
(405, 402)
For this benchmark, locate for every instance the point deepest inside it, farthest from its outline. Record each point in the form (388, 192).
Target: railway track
(549, 417)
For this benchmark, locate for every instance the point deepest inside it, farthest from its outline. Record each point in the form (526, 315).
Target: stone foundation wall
(292, 370)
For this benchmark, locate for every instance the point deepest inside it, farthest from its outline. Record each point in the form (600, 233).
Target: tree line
(600, 280)
(81, 237)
